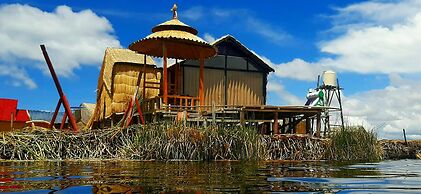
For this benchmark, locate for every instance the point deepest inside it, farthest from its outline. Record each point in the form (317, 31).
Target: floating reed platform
(159, 142)
(166, 142)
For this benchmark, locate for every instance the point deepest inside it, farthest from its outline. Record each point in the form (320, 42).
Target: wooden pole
(63, 120)
(59, 89)
(404, 136)
(177, 71)
(242, 118)
(201, 81)
(318, 124)
(165, 84)
(53, 120)
(275, 123)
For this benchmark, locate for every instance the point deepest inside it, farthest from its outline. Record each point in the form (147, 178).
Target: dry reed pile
(398, 149)
(163, 141)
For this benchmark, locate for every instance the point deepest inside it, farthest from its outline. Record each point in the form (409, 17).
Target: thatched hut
(117, 82)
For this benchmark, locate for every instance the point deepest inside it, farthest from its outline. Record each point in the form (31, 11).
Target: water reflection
(204, 177)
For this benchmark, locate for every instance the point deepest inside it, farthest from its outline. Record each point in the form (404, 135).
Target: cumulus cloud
(72, 39)
(19, 76)
(389, 110)
(285, 97)
(297, 69)
(375, 37)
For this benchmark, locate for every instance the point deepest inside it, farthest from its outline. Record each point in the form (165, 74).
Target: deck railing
(174, 101)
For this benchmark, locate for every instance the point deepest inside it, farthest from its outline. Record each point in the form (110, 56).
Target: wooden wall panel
(245, 88)
(214, 84)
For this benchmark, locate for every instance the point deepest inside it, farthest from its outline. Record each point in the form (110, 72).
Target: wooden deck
(269, 119)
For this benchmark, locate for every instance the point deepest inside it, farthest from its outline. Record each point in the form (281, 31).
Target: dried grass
(164, 141)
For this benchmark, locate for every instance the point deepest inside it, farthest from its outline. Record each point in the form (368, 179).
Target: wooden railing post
(275, 124)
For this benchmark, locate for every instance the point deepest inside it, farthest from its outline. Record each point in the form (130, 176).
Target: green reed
(354, 143)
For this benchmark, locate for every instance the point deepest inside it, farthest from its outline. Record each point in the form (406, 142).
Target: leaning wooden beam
(59, 89)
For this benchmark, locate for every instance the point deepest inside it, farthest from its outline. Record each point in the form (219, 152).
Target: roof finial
(174, 11)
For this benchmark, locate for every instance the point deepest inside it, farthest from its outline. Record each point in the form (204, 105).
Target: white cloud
(193, 13)
(284, 96)
(19, 76)
(209, 38)
(390, 110)
(384, 13)
(297, 69)
(374, 37)
(72, 38)
(378, 49)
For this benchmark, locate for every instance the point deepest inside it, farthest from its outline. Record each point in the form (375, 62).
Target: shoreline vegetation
(166, 142)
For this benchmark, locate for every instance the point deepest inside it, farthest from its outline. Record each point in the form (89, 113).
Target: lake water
(402, 176)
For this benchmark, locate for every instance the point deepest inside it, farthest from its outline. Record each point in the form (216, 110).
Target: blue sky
(372, 45)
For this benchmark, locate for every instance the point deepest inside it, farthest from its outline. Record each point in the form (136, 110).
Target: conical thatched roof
(180, 41)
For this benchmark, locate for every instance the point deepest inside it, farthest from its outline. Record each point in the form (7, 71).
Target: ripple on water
(401, 176)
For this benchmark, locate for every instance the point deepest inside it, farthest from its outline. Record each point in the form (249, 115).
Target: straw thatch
(180, 41)
(117, 81)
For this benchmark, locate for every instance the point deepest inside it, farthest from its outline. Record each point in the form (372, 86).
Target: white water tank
(329, 78)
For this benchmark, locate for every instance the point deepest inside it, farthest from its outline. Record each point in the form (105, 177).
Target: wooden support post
(165, 75)
(63, 120)
(308, 125)
(213, 113)
(53, 120)
(404, 136)
(177, 70)
(242, 119)
(139, 111)
(275, 124)
(59, 89)
(318, 125)
(201, 81)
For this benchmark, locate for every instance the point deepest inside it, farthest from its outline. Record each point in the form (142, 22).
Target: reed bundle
(164, 141)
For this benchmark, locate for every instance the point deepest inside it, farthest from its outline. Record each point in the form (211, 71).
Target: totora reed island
(141, 97)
